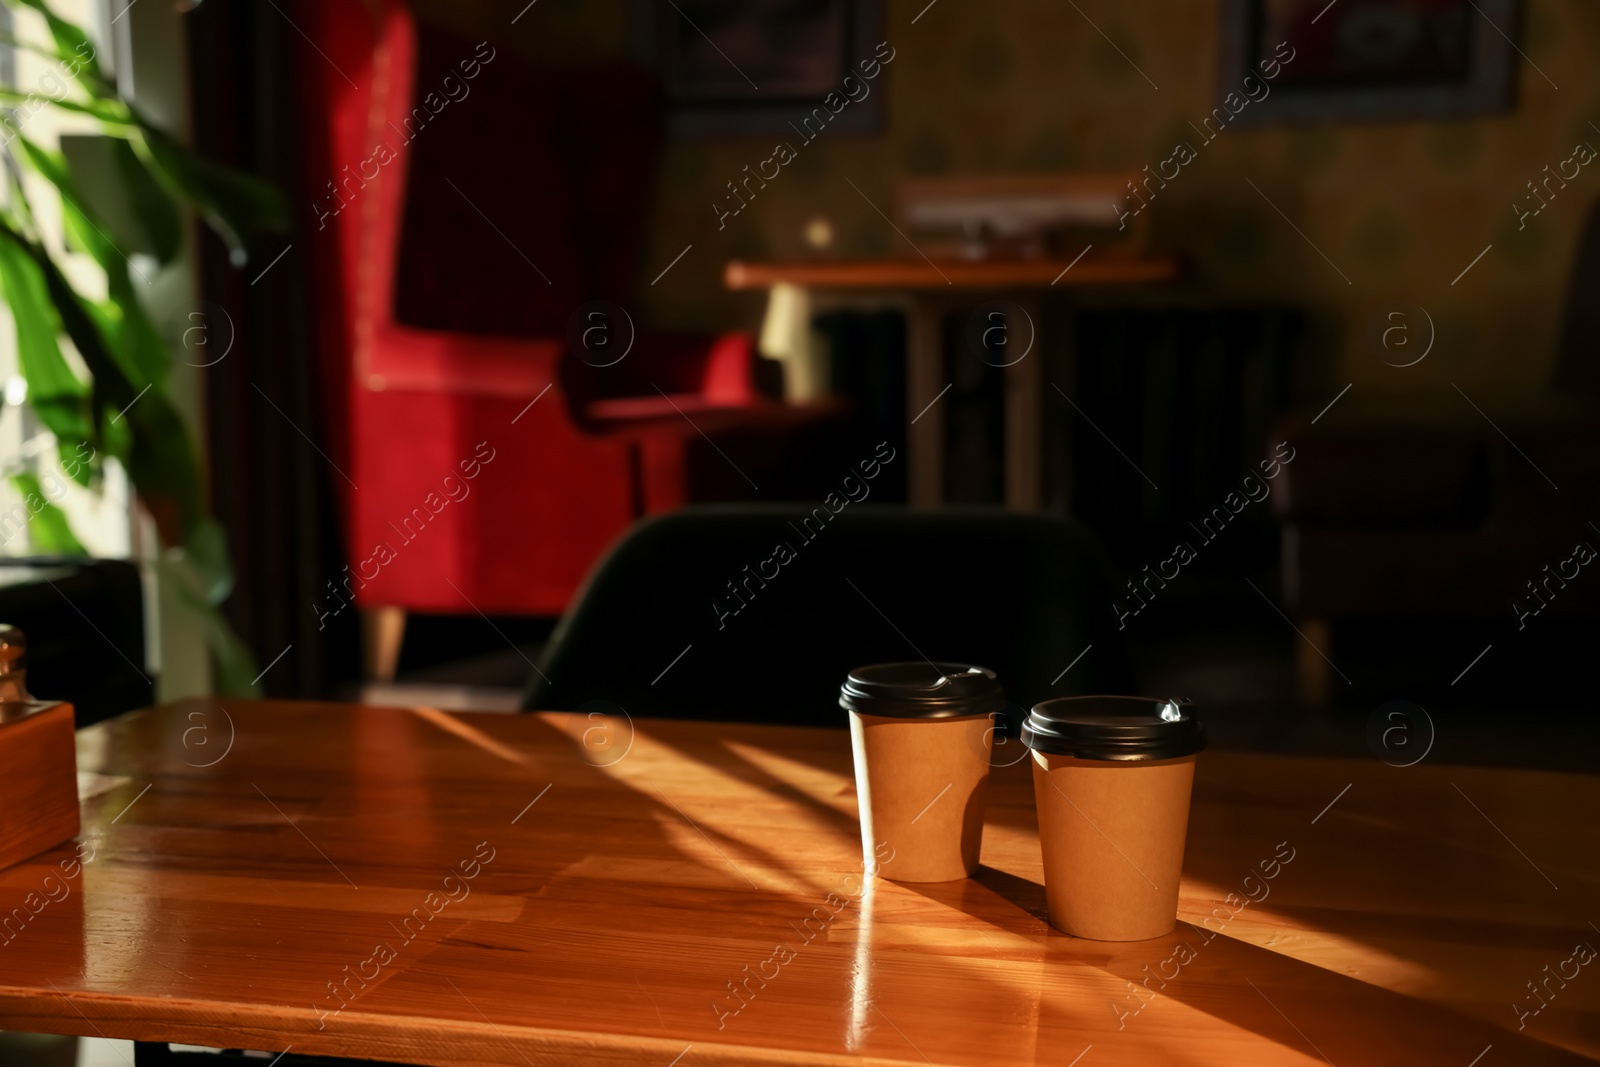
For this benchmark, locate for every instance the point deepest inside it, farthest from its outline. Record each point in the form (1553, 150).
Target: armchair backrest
(527, 192)
(487, 231)
(357, 172)
(470, 193)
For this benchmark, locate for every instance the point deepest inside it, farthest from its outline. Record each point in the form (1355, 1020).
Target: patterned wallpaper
(1031, 85)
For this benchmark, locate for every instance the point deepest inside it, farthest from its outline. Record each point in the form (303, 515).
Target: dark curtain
(265, 410)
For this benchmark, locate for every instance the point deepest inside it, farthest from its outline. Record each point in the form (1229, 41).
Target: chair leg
(1313, 676)
(382, 631)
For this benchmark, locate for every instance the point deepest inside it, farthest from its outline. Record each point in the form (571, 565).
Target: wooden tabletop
(559, 889)
(953, 273)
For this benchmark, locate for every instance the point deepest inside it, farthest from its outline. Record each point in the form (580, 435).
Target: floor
(479, 681)
(461, 663)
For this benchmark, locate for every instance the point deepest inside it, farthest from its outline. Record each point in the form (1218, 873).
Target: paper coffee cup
(1112, 777)
(922, 734)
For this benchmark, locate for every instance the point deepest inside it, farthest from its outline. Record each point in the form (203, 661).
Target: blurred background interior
(1281, 316)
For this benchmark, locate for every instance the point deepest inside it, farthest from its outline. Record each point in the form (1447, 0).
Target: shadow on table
(1389, 1028)
(1286, 1000)
(1278, 997)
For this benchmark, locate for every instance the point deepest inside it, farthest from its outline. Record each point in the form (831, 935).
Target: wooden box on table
(38, 778)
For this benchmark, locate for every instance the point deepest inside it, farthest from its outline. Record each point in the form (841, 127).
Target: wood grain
(558, 889)
(953, 273)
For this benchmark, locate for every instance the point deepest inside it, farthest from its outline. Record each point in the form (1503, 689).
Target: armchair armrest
(710, 370)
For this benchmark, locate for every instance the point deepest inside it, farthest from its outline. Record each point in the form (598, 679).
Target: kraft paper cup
(922, 734)
(1112, 777)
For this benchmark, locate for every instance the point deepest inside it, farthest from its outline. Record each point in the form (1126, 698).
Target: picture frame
(1371, 60)
(737, 68)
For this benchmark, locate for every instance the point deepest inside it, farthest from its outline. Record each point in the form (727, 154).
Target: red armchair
(466, 208)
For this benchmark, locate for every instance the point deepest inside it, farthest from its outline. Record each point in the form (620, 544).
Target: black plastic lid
(1114, 728)
(921, 690)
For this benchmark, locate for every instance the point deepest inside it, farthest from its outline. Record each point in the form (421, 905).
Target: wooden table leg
(925, 382)
(1024, 430)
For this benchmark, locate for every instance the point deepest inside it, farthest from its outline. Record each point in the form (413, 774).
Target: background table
(626, 876)
(927, 289)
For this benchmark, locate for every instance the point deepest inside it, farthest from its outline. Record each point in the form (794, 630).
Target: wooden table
(927, 289)
(610, 883)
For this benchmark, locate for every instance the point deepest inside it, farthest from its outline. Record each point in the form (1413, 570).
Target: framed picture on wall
(750, 67)
(1370, 59)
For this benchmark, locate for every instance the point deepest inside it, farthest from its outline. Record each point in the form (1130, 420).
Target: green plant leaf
(81, 231)
(33, 48)
(140, 343)
(160, 458)
(134, 341)
(233, 663)
(71, 42)
(161, 462)
(48, 528)
(114, 193)
(80, 461)
(17, 213)
(54, 392)
(207, 551)
(117, 439)
(153, 206)
(238, 206)
(111, 111)
(234, 668)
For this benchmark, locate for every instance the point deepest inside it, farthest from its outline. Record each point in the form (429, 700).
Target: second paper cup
(1112, 778)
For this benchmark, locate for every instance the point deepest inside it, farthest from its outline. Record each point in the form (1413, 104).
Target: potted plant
(116, 404)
